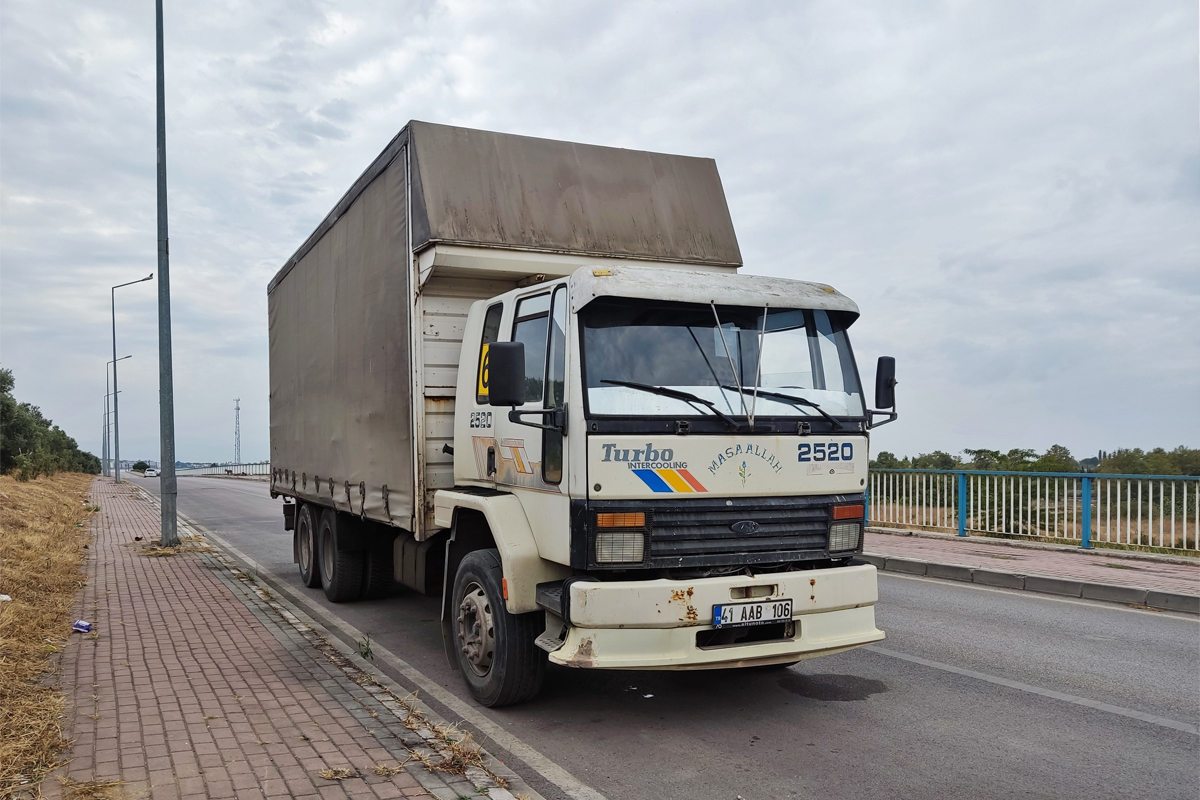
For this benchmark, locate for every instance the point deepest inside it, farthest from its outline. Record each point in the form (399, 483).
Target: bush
(141, 466)
(31, 445)
(1180, 461)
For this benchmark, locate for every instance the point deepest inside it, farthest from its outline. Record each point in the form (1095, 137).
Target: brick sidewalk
(185, 691)
(1094, 566)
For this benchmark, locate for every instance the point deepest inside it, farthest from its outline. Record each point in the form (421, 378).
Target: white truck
(525, 376)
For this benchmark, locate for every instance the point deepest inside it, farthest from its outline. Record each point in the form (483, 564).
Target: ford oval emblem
(745, 526)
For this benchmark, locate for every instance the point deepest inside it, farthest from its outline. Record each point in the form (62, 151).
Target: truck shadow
(831, 687)
(718, 691)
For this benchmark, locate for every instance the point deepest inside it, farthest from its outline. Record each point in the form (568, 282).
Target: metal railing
(1141, 510)
(258, 468)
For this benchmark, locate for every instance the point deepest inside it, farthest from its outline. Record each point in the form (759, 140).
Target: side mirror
(505, 369)
(885, 382)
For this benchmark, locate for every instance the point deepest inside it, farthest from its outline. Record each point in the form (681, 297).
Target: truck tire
(378, 572)
(341, 569)
(307, 547)
(495, 649)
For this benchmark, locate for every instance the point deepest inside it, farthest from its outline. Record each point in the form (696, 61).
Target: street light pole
(106, 466)
(168, 489)
(104, 430)
(116, 416)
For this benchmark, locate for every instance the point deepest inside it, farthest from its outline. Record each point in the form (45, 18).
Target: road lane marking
(534, 759)
(1153, 719)
(1160, 613)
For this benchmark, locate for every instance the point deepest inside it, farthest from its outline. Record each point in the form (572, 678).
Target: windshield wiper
(687, 397)
(790, 399)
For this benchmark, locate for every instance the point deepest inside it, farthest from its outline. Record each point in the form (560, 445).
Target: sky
(1009, 190)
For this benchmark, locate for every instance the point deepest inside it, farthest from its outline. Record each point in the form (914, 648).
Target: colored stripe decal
(651, 479)
(687, 476)
(673, 480)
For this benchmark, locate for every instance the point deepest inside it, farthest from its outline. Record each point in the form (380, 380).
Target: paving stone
(187, 615)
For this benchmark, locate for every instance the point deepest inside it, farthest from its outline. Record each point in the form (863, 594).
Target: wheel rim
(327, 557)
(305, 546)
(476, 629)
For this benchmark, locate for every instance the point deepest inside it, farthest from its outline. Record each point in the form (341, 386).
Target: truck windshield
(796, 353)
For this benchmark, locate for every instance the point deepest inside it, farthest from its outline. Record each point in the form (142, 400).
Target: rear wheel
(341, 570)
(306, 546)
(378, 573)
(495, 649)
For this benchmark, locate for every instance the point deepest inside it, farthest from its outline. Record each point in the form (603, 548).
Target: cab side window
(556, 376)
(529, 327)
(491, 333)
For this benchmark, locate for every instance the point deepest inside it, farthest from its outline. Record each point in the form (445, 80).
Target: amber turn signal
(630, 519)
(848, 512)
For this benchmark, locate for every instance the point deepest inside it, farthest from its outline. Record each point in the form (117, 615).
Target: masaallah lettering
(648, 457)
(749, 449)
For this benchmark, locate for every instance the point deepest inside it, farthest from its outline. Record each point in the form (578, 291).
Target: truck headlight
(844, 536)
(620, 547)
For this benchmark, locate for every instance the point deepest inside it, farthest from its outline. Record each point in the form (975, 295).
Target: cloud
(1009, 190)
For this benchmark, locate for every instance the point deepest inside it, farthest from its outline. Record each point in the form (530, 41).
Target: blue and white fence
(1141, 510)
(258, 468)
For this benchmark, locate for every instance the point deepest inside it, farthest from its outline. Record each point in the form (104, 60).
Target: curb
(1042, 584)
(1105, 552)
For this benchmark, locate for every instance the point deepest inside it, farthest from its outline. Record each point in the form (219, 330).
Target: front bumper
(654, 624)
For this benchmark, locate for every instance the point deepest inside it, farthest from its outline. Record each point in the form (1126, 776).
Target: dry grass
(337, 774)
(457, 756)
(94, 790)
(42, 549)
(187, 544)
(385, 771)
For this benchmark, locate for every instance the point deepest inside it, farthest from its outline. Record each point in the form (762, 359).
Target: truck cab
(671, 464)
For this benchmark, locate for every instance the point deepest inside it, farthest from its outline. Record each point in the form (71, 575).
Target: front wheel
(306, 547)
(495, 649)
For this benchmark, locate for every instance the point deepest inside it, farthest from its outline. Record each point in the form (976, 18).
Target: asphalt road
(1000, 700)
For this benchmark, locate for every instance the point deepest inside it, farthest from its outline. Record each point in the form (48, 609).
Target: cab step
(549, 642)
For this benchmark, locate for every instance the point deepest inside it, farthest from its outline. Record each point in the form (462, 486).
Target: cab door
(532, 460)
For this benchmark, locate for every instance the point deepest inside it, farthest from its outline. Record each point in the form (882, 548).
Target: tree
(936, 460)
(984, 459)
(141, 466)
(886, 460)
(1056, 459)
(1180, 461)
(30, 444)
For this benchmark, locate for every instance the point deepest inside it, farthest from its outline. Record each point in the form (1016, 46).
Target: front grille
(693, 537)
(701, 533)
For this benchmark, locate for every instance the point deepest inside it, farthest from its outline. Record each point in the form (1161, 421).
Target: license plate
(729, 615)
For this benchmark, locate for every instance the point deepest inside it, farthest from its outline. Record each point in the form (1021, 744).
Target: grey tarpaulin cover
(491, 189)
(341, 385)
(340, 308)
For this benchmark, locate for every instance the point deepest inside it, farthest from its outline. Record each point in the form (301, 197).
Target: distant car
(151, 473)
